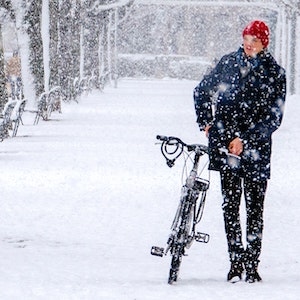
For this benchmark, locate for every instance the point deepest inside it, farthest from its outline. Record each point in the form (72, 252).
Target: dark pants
(254, 192)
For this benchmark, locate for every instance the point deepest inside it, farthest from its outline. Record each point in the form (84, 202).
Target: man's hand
(236, 146)
(206, 129)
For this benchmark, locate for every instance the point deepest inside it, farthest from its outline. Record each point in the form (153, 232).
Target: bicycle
(54, 101)
(48, 102)
(191, 206)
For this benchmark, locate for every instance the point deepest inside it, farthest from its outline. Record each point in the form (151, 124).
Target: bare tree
(81, 41)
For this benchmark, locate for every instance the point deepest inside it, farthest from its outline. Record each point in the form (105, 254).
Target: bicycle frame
(190, 209)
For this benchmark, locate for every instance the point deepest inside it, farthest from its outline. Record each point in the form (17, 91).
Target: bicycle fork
(182, 234)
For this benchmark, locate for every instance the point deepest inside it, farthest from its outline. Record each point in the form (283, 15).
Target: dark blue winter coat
(242, 97)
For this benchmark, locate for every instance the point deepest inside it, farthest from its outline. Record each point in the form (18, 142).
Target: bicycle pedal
(202, 237)
(157, 251)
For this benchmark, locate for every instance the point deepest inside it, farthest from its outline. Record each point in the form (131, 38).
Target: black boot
(236, 272)
(251, 272)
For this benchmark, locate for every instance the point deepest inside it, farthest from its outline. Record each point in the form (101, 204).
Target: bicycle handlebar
(162, 138)
(172, 155)
(172, 147)
(192, 147)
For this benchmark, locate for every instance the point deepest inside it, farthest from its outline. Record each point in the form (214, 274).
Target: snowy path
(85, 195)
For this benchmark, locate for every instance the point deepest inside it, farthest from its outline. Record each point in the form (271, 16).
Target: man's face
(252, 45)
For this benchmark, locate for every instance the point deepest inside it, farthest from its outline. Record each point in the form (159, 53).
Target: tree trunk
(3, 91)
(65, 57)
(54, 43)
(33, 21)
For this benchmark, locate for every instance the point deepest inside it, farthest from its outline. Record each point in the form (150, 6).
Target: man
(249, 89)
(13, 71)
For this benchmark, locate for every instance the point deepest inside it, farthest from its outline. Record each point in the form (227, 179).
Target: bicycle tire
(182, 238)
(175, 265)
(15, 128)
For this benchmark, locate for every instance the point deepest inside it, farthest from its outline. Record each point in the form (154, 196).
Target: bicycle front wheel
(175, 264)
(183, 233)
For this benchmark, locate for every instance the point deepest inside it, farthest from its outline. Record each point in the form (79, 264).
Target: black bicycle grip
(162, 137)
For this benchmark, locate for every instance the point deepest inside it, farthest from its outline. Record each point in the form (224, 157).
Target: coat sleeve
(273, 112)
(203, 94)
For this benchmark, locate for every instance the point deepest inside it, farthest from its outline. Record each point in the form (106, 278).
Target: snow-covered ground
(85, 196)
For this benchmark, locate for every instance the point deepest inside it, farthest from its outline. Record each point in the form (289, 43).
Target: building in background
(181, 39)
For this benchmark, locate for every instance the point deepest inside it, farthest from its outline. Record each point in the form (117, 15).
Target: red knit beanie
(260, 30)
